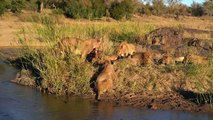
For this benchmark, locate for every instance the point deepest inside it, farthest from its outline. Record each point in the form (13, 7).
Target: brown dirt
(8, 32)
(171, 100)
(161, 101)
(10, 26)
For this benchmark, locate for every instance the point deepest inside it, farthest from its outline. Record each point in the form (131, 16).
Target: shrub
(17, 6)
(119, 10)
(208, 7)
(4, 5)
(197, 9)
(89, 9)
(2, 9)
(145, 9)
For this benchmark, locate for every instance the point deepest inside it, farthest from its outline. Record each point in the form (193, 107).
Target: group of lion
(90, 51)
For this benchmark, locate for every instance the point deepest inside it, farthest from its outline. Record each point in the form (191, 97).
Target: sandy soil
(8, 30)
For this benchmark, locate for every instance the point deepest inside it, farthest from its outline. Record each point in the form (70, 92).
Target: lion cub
(104, 81)
(78, 46)
(125, 49)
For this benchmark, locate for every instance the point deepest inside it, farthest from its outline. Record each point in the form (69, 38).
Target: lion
(111, 58)
(167, 59)
(103, 58)
(104, 81)
(78, 46)
(143, 58)
(125, 49)
(194, 59)
(179, 59)
(92, 56)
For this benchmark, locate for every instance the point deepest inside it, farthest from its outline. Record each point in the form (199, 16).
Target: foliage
(158, 7)
(145, 9)
(208, 7)
(85, 9)
(17, 5)
(4, 5)
(119, 10)
(197, 9)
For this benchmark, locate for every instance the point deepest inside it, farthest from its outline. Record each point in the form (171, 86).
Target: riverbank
(165, 100)
(169, 87)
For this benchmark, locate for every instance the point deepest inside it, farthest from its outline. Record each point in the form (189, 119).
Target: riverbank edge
(157, 101)
(171, 100)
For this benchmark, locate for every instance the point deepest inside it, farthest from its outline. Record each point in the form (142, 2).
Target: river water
(24, 103)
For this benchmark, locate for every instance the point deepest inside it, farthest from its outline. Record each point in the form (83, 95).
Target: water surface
(24, 103)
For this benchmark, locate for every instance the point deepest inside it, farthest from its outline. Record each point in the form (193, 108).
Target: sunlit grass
(62, 74)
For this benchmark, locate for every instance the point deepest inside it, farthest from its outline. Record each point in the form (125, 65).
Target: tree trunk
(40, 4)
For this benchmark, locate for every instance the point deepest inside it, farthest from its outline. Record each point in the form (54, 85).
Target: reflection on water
(23, 103)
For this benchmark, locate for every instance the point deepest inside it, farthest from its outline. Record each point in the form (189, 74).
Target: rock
(165, 36)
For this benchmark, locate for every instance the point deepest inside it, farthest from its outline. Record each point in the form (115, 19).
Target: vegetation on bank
(64, 73)
(117, 9)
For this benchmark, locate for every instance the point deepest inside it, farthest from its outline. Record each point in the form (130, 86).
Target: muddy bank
(161, 101)
(171, 100)
(165, 87)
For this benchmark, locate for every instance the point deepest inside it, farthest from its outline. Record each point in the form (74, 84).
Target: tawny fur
(167, 59)
(195, 59)
(105, 79)
(125, 49)
(111, 58)
(143, 58)
(179, 58)
(79, 46)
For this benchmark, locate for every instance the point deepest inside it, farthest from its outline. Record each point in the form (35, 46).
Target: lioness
(104, 81)
(142, 58)
(111, 58)
(125, 49)
(79, 46)
(167, 59)
(179, 59)
(195, 59)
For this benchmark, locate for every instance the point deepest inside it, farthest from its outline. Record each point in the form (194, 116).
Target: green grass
(63, 72)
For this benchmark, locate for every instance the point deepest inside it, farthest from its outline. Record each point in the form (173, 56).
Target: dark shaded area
(198, 98)
(26, 62)
(94, 77)
(204, 44)
(92, 55)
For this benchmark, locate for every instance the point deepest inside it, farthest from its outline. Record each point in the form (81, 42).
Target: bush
(90, 9)
(208, 7)
(2, 9)
(197, 9)
(145, 9)
(119, 10)
(4, 5)
(17, 6)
